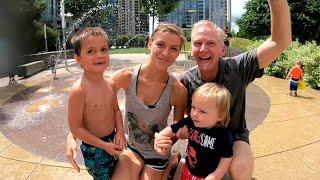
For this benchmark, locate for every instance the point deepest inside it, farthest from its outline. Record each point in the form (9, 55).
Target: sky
(237, 9)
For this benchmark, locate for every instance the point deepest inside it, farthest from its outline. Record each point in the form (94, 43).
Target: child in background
(295, 73)
(227, 40)
(209, 151)
(93, 112)
(12, 81)
(53, 64)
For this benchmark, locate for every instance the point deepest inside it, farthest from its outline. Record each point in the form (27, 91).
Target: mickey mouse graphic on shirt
(192, 156)
(141, 131)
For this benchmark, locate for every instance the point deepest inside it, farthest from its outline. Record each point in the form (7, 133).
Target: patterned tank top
(141, 121)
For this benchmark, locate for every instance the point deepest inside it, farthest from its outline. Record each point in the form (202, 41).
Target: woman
(150, 94)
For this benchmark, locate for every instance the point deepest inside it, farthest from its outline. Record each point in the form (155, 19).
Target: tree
(88, 12)
(20, 32)
(305, 23)
(93, 13)
(32, 32)
(158, 7)
(255, 23)
(31, 10)
(28, 14)
(38, 38)
(9, 37)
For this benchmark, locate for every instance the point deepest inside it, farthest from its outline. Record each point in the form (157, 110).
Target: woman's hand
(71, 151)
(162, 144)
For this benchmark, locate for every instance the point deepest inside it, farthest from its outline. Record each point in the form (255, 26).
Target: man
(227, 32)
(227, 40)
(235, 73)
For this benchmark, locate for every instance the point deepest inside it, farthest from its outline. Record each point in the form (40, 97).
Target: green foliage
(29, 12)
(240, 43)
(305, 23)
(129, 51)
(308, 53)
(187, 46)
(36, 43)
(158, 7)
(187, 35)
(131, 41)
(122, 39)
(255, 22)
(52, 35)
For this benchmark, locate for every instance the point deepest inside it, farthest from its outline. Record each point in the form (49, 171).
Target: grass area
(187, 46)
(128, 51)
(240, 43)
(143, 50)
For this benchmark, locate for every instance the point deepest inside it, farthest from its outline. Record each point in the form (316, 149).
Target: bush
(33, 38)
(309, 54)
(131, 40)
(187, 35)
(240, 43)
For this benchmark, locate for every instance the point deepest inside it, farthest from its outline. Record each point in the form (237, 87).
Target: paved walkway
(286, 144)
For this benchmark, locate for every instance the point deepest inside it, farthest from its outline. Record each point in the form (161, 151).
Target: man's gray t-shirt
(235, 73)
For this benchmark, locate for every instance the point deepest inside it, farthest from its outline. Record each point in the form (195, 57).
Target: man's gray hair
(209, 24)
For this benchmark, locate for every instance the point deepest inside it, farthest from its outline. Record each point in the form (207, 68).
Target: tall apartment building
(191, 11)
(130, 19)
(52, 14)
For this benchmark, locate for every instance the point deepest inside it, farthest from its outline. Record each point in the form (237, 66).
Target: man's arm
(280, 33)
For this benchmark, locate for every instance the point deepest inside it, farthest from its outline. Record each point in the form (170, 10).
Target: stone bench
(29, 69)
